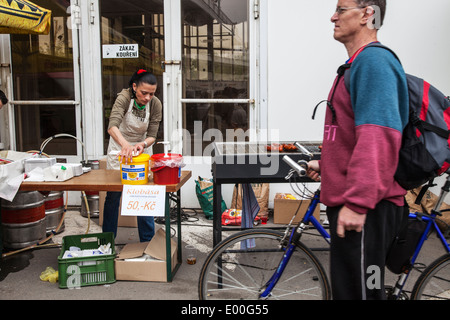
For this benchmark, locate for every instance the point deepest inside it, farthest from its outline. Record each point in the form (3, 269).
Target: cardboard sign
(143, 200)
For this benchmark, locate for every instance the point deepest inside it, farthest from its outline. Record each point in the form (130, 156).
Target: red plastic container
(166, 168)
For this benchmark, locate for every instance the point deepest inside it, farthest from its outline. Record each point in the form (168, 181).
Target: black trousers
(357, 262)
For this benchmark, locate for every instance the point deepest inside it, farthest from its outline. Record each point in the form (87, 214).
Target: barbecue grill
(247, 162)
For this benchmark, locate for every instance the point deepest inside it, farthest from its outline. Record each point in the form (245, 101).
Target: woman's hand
(141, 146)
(127, 153)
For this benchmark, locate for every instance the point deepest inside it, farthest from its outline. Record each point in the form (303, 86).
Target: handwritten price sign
(143, 200)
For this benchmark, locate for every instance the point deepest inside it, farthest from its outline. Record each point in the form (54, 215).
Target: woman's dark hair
(3, 98)
(142, 76)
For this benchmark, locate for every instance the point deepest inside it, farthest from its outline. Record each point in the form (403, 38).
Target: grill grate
(251, 148)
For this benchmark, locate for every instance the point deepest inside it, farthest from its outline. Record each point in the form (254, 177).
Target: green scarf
(138, 106)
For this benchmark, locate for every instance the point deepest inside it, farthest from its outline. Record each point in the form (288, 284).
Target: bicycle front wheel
(434, 282)
(240, 266)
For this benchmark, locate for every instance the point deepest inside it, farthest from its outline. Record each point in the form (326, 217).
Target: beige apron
(133, 129)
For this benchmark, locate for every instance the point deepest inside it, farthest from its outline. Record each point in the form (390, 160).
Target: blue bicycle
(266, 264)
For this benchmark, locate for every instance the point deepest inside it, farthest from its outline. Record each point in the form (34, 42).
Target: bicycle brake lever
(289, 175)
(299, 168)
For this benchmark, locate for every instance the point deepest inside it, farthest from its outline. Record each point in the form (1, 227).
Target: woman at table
(133, 126)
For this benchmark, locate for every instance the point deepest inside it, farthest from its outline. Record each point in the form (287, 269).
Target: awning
(22, 16)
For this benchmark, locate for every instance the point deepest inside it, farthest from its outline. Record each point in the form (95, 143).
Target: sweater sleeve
(119, 108)
(379, 90)
(380, 102)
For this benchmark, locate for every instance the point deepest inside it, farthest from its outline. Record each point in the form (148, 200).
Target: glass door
(132, 38)
(200, 52)
(216, 73)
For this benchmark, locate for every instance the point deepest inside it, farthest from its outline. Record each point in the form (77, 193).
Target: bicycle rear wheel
(240, 266)
(434, 282)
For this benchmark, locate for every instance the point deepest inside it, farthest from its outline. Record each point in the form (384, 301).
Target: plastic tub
(166, 168)
(135, 172)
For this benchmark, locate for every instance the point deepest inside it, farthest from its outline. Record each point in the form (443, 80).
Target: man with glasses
(365, 205)
(3, 99)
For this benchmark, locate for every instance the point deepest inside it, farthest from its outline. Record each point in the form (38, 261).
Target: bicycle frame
(431, 225)
(296, 233)
(309, 217)
(430, 219)
(294, 237)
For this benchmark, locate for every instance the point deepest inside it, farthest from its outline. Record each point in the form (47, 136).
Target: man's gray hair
(379, 7)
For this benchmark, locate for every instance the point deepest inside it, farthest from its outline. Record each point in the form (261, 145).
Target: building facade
(226, 69)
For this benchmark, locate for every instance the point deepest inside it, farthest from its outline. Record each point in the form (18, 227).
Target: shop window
(42, 70)
(134, 22)
(215, 66)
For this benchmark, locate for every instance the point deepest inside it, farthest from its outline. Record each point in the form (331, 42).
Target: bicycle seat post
(444, 191)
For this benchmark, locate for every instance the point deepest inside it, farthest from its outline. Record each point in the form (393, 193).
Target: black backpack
(425, 151)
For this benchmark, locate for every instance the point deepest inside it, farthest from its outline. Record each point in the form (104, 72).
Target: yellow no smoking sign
(143, 200)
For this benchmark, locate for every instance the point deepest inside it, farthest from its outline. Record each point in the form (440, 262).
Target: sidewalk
(19, 274)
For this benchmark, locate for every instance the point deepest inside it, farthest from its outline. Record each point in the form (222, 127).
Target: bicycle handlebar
(299, 167)
(303, 149)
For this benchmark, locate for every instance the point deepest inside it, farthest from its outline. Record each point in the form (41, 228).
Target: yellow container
(135, 172)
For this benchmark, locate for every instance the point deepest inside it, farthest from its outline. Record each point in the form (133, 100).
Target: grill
(243, 162)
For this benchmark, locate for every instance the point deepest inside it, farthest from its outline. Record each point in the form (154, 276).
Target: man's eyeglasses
(341, 10)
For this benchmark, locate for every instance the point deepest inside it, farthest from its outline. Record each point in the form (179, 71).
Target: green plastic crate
(86, 271)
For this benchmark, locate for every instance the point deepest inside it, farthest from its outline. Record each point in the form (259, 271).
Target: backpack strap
(333, 110)
(349, 64)
(340, 72)
(423, 190)
(423, 125)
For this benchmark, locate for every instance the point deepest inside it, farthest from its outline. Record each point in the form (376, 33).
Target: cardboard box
(123, 221)
(145, 270)
(284, 210)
